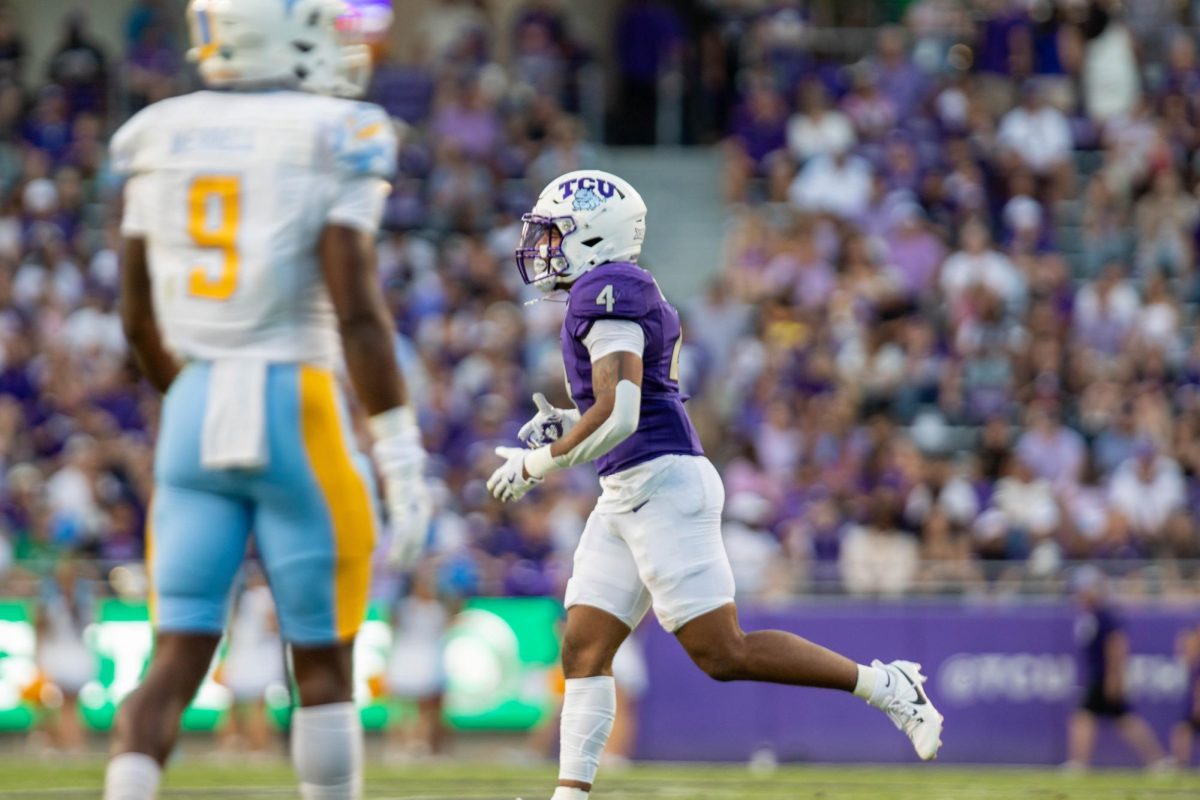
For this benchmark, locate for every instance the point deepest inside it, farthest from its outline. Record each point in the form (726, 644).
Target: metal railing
(779, 582)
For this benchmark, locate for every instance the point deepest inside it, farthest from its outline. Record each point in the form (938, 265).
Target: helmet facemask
(540, 256)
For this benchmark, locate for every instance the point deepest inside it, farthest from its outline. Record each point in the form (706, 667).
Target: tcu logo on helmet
(596, 188)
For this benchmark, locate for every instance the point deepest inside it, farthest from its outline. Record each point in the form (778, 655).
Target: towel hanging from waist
(235, 435)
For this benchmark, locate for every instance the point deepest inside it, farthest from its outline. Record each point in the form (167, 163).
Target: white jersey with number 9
(230, 192)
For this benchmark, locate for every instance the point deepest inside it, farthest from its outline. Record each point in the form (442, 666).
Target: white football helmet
(311, 44)
(580, 220)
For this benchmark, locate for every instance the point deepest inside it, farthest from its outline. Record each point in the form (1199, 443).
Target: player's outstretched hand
(548, 425)
(509, 482)
(401, 460)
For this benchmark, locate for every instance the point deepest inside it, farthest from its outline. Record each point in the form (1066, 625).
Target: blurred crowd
(967, 268)
(949, 340)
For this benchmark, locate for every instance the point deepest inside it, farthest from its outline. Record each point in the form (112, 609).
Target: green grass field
(32, 779)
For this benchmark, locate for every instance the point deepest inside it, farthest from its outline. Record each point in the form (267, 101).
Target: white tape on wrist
(539, 463)
(398, 421)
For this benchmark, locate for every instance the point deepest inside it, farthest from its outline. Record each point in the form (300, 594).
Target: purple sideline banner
(1004, 676)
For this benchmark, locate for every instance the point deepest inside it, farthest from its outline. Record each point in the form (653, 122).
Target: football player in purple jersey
(654, 538)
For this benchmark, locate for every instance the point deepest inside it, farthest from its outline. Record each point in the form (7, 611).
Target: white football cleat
(908, 707)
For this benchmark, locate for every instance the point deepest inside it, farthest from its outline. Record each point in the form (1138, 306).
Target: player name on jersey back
(231, 192)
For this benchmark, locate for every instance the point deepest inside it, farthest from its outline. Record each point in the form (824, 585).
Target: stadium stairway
(682, 188)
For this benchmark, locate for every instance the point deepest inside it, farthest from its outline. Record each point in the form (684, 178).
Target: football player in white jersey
(248, 253)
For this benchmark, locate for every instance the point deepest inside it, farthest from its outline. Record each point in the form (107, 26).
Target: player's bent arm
(137, 316)
(617, 383)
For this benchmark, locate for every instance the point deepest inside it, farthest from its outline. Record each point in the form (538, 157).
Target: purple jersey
(621, 291)
(1093, 631)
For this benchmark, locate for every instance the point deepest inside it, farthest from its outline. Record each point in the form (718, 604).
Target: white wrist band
(539, 463)
(397, 421)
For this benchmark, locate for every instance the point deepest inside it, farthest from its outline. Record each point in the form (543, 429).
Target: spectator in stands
(943, 492)
(872, 112)
(816, 129)
(1023, 514)
(1111, 76)
(1104, 237)
(80, 67)
(876, 557)
(1106, 310)
(1052, 450)
(152, 66)
(838, 184)
(978, 266)
(752, 549)
(1037, 136)
(1148, 489)
(1165, 220)
(565, 151)
(900, 79)
(913, 249)
(755, 148)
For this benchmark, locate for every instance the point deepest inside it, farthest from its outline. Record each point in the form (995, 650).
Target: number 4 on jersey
(606, 299)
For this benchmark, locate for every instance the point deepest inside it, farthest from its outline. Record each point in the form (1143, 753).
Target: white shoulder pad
(365, 143)
(130, 146)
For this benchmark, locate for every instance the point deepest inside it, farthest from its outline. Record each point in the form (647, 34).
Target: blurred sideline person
(654, 538)
(416, 669)
(248, 251)
(253, 663)
(1183, 735)
(63, 655)
(1104, 645)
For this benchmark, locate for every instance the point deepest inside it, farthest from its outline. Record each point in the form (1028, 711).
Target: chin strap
(555, 296)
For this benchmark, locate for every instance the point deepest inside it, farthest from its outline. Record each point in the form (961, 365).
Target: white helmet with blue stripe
(580, 220)
(309, 44)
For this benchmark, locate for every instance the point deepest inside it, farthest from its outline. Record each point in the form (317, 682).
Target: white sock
(327, 751)
(132, 776)
(565, 793)
(873, 684)
(589, 706)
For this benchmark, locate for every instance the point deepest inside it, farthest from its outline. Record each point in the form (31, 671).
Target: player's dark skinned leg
(590, 641)
(719, 646)
(148, 721)
(324, 675)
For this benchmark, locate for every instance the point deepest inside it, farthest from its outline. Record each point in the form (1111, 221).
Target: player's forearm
(614, 428)
(613, 417)
(370, 354)
(587, 426)
(138, 320)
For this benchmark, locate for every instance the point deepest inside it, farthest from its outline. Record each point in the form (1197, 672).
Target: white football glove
(548, 425)
(401, 460)
(508, 483)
